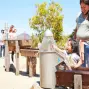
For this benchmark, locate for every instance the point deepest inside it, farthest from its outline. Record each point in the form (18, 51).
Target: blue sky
(17, 12)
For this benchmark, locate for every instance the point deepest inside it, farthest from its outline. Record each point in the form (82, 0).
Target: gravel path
(8, 80)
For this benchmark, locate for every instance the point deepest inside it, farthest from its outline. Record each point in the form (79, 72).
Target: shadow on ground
(38, 82)
(23, 73)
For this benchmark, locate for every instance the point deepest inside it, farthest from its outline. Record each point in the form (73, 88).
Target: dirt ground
(8, 80)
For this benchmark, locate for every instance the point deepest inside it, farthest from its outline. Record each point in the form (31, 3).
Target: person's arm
(57, 49)
(81, 45)
(79, 63)
(60, 52)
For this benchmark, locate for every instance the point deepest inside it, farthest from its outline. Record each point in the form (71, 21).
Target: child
(71, 54)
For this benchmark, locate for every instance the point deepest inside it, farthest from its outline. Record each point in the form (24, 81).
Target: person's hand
(54, 46)
(69, 68)
(74, 66)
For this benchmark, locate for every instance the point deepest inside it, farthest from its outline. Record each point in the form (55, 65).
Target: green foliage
(62, 42)
(72, 34)
(47, 17)
(35, 41)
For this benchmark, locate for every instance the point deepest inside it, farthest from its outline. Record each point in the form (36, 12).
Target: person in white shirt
(12, 32)
(81, 17)
(12, 35)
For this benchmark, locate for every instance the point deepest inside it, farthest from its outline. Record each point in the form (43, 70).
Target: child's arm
(62, 54)
(57, 49)
(79, 63)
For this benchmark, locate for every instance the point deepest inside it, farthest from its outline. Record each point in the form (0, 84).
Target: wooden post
(17, 58)
(77, 81)
(7, 59)
(32, 66)
(27, 65)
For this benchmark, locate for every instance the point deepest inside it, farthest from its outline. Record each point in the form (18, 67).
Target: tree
(35, 41)
(62, 42)
(47, 17)
(72, 35)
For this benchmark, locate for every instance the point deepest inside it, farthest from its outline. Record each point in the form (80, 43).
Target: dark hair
(75, 46)
(2, 31)
(84, 1)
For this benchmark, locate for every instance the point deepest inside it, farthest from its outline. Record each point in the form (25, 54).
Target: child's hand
(69, 68)
(74, 66)
(54, 46)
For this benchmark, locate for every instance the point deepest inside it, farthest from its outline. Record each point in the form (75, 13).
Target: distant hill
(24, 36)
